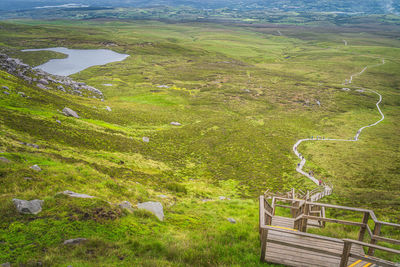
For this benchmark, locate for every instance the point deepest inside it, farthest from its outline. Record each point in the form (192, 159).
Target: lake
(77, 60)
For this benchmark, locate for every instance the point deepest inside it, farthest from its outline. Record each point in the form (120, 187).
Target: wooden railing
(302, 211)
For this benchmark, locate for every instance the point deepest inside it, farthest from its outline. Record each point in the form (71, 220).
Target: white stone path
(327, 190)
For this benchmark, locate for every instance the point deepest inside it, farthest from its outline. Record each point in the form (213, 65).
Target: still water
(77, 60)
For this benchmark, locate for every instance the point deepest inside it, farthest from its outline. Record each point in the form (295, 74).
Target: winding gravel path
(327, 190)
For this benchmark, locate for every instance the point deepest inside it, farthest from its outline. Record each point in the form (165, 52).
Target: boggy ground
(243, 96)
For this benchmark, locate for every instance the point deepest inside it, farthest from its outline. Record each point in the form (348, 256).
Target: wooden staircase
(284, 240)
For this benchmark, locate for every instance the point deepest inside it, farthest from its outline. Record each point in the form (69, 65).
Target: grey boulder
(74, 241)
(70, 113)
(28, 207)
(174, 123)
(77, 195)
(154, 207)
(146, 139)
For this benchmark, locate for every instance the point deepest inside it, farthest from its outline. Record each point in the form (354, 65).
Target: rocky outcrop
(154, 207)
(45, 80)
(28, 207)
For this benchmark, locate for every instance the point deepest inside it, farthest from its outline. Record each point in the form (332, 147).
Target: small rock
(318, 103)
(231, 220)
(4, 160)
(44, 81)
(27, 178)
(7, 264)
(154, 207)
(146, 139)
(58, 121)
(206, 200)
(107, 84)
(70, 113)
(36, 168)
(108, 108)
(162, 196)
(6, 93)
(75, 241)
(22, 94)
(346, 89)
(175, 123)
(5, 88)
(126, 205)
(28, 207)
(77, 195)
(222, 198)
(61, 88)
(360, 90)
(41, 86)
(33, 145)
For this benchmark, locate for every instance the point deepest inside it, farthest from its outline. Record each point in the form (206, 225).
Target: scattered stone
(70, 113)
(28, 207)
(22, 94)
(41, 86)
(163, 86)
(36, 168)
(75, 241)
(360, 90)
(107, 84)
(7, 264)
(247, 90)
(5, 88)
(222, 198)
(154, 207)
(162, 196)
(175, 123)
(4, 160)
(6, 93)
(44, 81)
(32, 145)
(77, 195)
(346, 89)
(27, 178)
(108, 108)
(318, 103)
(206, 200)
(146, 139)
(126, 205)
(61, 88)
(231, 220)
(58, 121)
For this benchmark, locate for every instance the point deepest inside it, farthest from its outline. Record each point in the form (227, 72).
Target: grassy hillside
(243, 96)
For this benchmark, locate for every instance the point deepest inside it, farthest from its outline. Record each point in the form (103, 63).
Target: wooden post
(345, 254)
(377, 231)
(304, 222)
(363, 228)
(264, 236)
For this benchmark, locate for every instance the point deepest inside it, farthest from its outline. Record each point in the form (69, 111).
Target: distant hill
(347, 6)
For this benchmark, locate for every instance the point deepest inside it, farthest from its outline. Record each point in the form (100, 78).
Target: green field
(244, 95)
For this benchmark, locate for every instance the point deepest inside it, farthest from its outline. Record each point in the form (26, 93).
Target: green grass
(243, 96)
